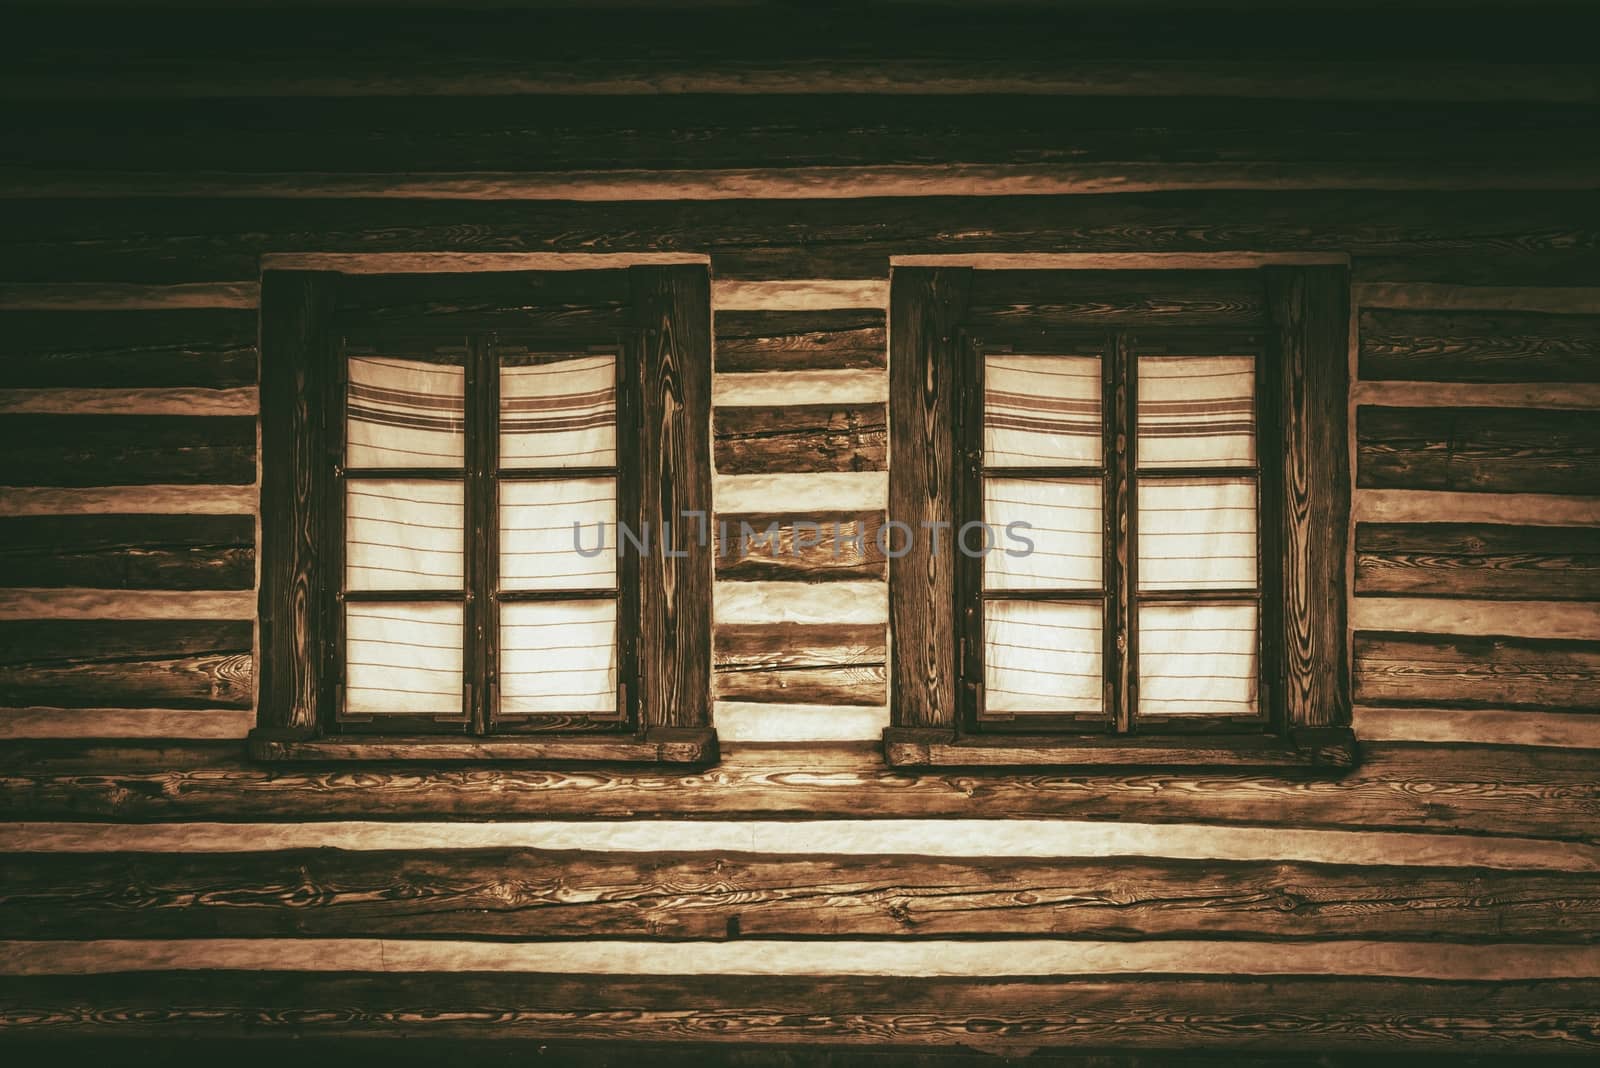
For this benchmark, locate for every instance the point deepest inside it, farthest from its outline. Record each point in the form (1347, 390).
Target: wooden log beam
(1503, 346)
(1507, 450)
(201, 348)
(799, 663)
(801, 437)
(127, 664)
(829, 339)
(1435, 669)
(143, 552)
(1478, 561)
(821, 547)
(121, 450)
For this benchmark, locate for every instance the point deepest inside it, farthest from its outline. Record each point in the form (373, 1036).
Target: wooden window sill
(658, 745)
(1329, 749)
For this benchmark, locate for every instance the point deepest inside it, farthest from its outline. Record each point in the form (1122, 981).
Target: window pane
(403, 534)
(403, 659)
(558, 411)
(558, 657)
(1196, 411)
(1198, 659)
(1042, 410)
(1197, 534)
(539, 549)
(405, 412)
(1064, 519)
(1042, 657)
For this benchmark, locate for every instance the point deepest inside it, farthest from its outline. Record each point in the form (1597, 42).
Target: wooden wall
(1443, 897)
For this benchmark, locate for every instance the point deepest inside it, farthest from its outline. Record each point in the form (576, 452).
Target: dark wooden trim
(1329, 748)
(673, 307)
(800, 437)
(1309, 1015)
(800, 663)
(1486, 450)
(925, 306)
(1311, 309)
(828, 339)
(520, 893)
(207, 348)
(1498, 346)
(96, 663)
(1496, 791)
(296, 365)
(127, 450)
(654, 745)
(130, 552)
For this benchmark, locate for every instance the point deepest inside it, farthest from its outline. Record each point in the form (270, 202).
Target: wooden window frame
(660, 329)
(1304, 486)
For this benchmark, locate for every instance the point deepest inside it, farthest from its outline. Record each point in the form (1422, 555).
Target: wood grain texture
(673, 304)
(1015, 304)
(128, 500)
(85, 297)
(763, 722)
(121, 450)
(1471, 671)
(113, 663)
(783, 663)
(47, 721)
(1478, 561)
(1572, 299)
(843, 339)
(1017, 1015)
(206, 348)
(296, 359)
(1502, 346)
(522, 893)
(76, 602)
(1484, 790)
(1478, 450)
(845, 601)
(129, 552)
(1453, 506)
(575, 306)
(786, 388)
(1310, 309)
(926, 305)
(801, 437)
(862, 491)
(819, 547)
(1476, 726)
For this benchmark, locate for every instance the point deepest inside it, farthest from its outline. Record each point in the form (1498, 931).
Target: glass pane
(405, 412)
(1197, 534)
(1059, 549)
(558, 411)
(403, 534)
(558, 657)
(1197, 411)
(1041, 411)
(403, 659)
(1042, 657)
(1198, 659)
(539, 547)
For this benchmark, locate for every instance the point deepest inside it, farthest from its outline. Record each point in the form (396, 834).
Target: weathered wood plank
(1434, 669)
(75, 602)
(1478, 560)
(1014, 304)
(1478, 449)
(1453, 615)
(788, 388)
(159, 400)
(44, 721)
(803, 437)
(555, 304)
(130, 552)
(524, 893)
(1507, 346)
(799, 663)
(113, 663)
(847, 338)
(1512, 509)
(202, 348)
(1017, 1015)
(820, 547)
(1477, 726)
(1483, 790)
(121, 450)
(89, 297)
(1573, 299)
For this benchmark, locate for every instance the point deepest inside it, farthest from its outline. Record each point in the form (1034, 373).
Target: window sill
(1331, 749)
(659, 745)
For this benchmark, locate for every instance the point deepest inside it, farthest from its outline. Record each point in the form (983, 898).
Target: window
(1121, 445)
(450, 463)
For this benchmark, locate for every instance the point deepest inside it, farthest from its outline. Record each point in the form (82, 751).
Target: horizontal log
(43, 721)
(1478, 560)
(1575, 299)
(126, 664)
(526, 894)
(199, 348)
(800, 663)
(1477, 450)
(1476, 726)
(1015, 304)
(860, 491)
(153, 241)
(844, 339)
(89, 297)
(793, 602)
(1506, 346)
(1478, 790)
(1511, 509)
(802, 437)
(1450, 615)
(792, 283)
(137, 401)
(99, 450)
(832, 546)
(760, 721)
(75, 602)
(1312, 1015)
(130, 552)
(1432, 669)
(1576, 395)
(786, 388)
(129, 500)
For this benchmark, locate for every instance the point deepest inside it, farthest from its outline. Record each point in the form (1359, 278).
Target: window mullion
(481, 424)
(1120, 533)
